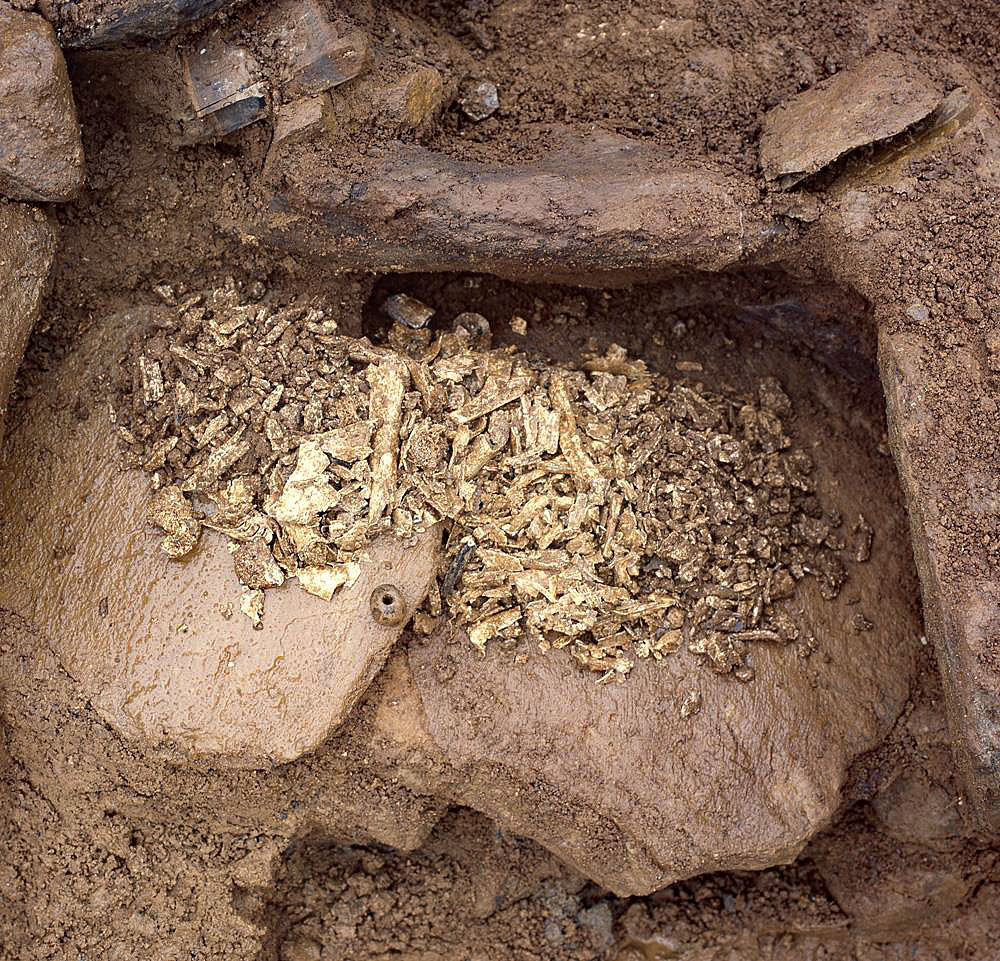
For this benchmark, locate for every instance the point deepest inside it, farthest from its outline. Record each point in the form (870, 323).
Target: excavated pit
(429, 802)
(583, 792)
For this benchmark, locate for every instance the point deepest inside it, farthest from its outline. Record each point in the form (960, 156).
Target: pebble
(479, 99)
(408, 311)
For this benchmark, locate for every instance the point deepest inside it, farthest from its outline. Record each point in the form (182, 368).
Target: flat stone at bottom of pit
(168, 659)
(745, 782)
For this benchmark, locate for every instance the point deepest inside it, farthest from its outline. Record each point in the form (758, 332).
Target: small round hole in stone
(387, 605)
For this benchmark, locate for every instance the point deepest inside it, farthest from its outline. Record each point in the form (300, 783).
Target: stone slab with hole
(160, 646)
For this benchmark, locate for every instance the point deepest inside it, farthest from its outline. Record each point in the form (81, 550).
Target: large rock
(949, 488)
(127, 21)
(160, 646)
(614, 779)
(602, 210)
(877, 99)
(82, 767)
(41, 155)
(27, 247)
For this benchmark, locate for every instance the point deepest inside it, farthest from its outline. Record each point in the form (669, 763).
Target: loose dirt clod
(602, 508)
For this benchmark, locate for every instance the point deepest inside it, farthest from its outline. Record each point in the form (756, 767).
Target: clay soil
(87, 873)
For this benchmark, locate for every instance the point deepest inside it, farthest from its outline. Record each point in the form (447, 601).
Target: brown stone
(877, 99)
(299, 122)
(888, 884)
(939, 392)
(623, 785)
(301, 119)
(27, 247)
(415, 100)
(41, 155)
(72, 755)
(961, 600)
(380, 108)
(604, 210)
(917, 807)
(160, 646)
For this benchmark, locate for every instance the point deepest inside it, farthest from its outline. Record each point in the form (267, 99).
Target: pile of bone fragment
(600, 507)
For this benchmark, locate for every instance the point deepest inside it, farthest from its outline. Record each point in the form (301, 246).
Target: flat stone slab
(161, 646)
(41, 154)
(880, 97)
(946, 496)
(602, 209)
(616, 781)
